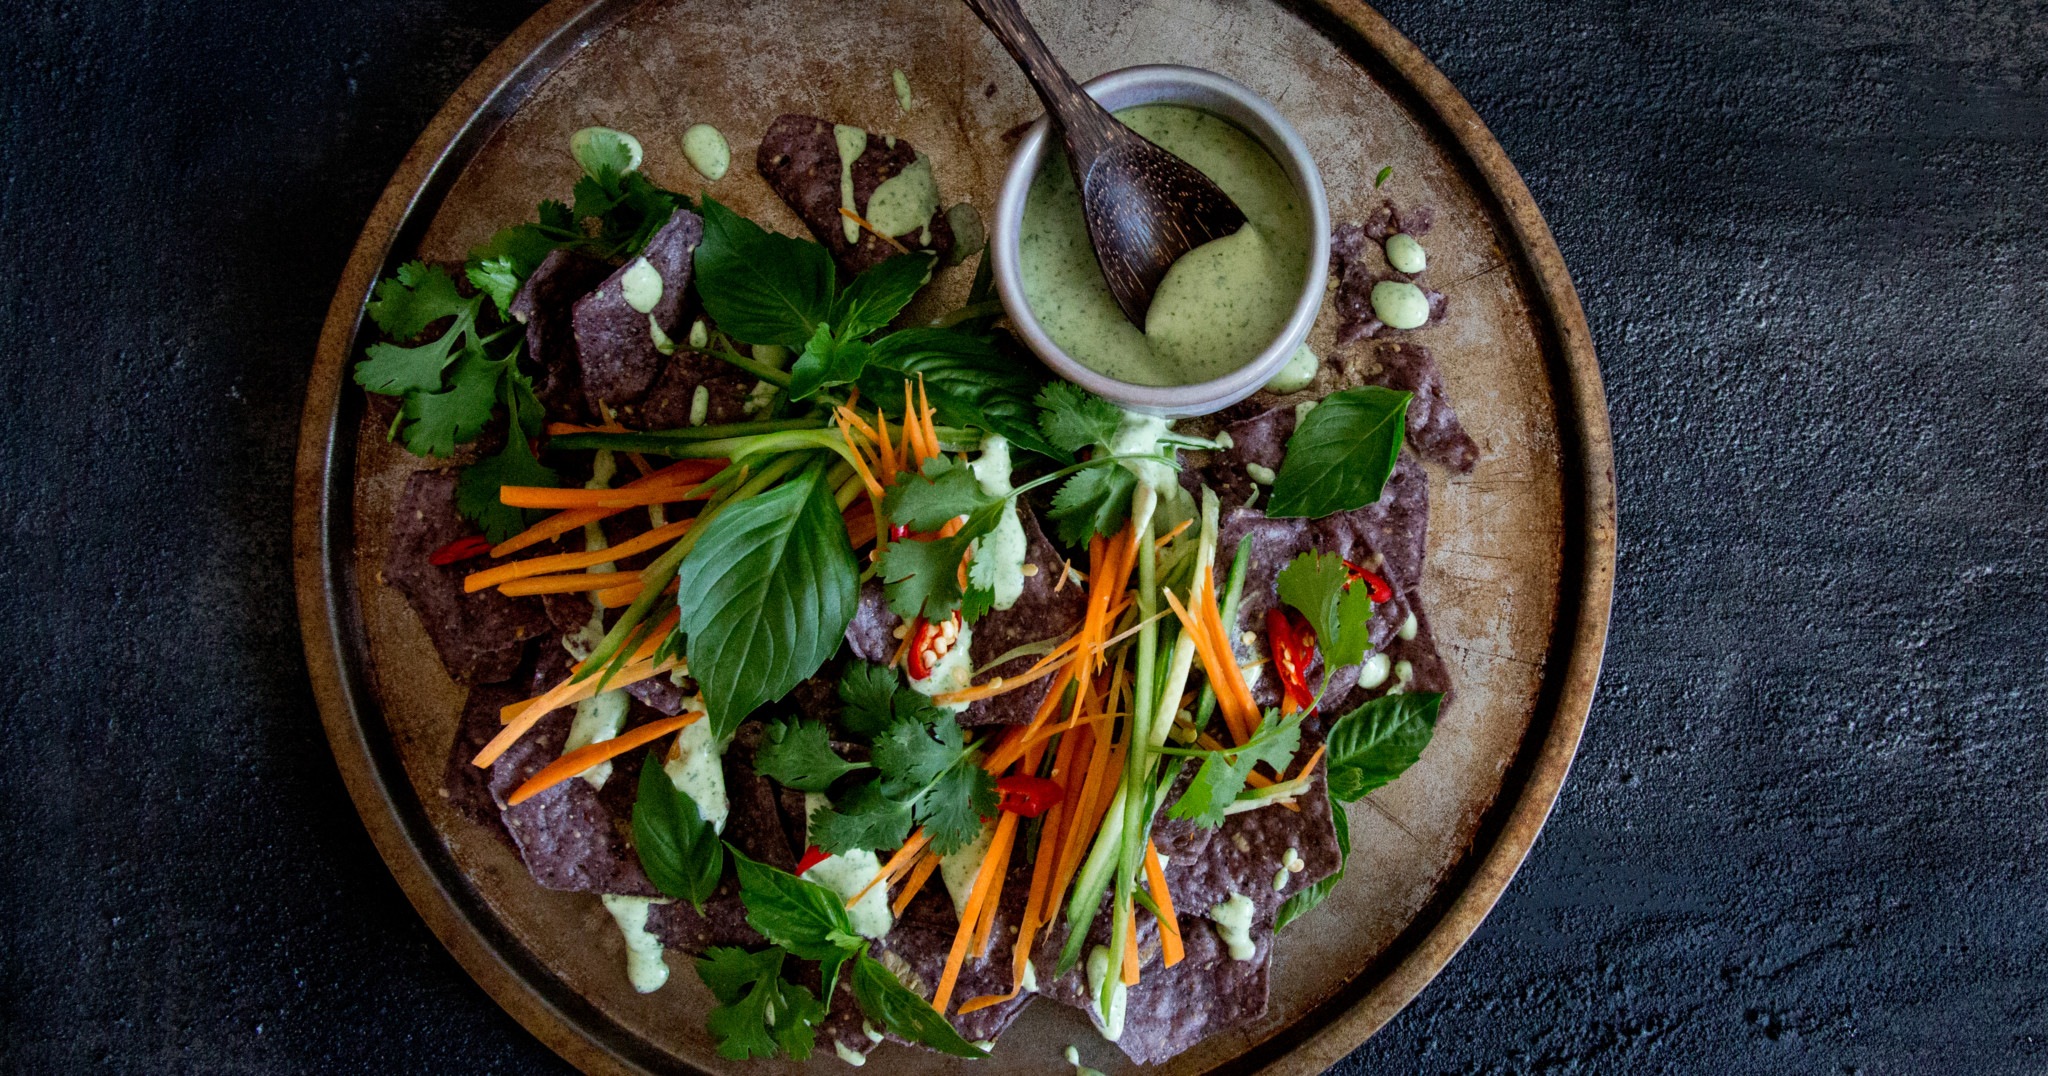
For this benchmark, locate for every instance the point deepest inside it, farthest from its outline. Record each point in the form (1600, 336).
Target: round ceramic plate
(1521, 551)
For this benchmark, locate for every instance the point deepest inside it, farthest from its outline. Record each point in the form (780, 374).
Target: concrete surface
(1804, 834)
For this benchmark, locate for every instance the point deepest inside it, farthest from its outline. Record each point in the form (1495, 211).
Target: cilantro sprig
(926, 775)
(760, 1012)
(1222, 776)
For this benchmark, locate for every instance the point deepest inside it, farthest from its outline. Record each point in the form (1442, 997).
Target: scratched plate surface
(1495, 542)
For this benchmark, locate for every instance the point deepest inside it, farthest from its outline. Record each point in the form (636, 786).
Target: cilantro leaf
(948, 490)
(876, 700)
(876, 296)
(799, 754)
(418, 296)
(889, 1004)
(952, 811)
(827, 360)
(1319, 585)
(863, 818)
(1303, 902)
(678, 849)
(923, 578)
(765, 596)
(1341, 453)
(761, 287)
(911, 758)
(1377, 742)
(599, 148)
(1095, 501)
(759, 1014)
(476, 492)
(433, 423)
(803, 917)
(1072, 418)
(1223, 773)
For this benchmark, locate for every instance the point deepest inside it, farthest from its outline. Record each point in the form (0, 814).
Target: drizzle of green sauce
(1217, 307)
(706, 151)
(853, 141)
(641, 285)
(905, 201)
(902, 82)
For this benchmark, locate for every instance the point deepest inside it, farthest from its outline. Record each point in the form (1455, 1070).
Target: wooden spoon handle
(1089, 128)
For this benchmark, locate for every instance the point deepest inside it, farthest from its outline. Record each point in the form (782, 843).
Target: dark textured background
(1804, 833)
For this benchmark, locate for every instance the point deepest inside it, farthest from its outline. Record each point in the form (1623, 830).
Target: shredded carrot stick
(860, 523)
(872, 230)
(1160, 542)
(546, 497)
(929, 432)
(992, 866)
(562, 523)
(1205, 649)
(904, 856)
(860, 464)
(1311, 763)
(563, 694)
(642, 653)
(560, 562)
(918, 876)
(568, 584)
(1169, 923)
(583, 758)
(1043, 667)
(1130, 969)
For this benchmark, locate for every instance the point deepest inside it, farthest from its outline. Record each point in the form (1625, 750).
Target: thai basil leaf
(765, 596)
(1305, 901)
(678, 849)
(803, 917)
(1373, 744)
(761, 287)
(889, 1004)
(1341, 453)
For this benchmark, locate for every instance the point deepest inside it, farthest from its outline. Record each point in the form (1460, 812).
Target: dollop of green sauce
(1218, 306)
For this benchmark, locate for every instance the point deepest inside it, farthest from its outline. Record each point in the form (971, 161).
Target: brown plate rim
(337, 646)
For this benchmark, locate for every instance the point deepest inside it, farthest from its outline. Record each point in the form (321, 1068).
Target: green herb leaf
(876, 296)
(1073, 418)
(759, 1014)
(923, 578)
(1382, 176)
(889, 1004)
(863, 818)
(678, 849)
(876, 700)
(1375, 743)
(765, 596)
(1223, 773)
(1302, 903)
(947, 490)
(761, 287)
(433, 423)
(476, 491)
(968, 381)
(952, 811)
(418, 296)
(1318, 584)
(1341, 453)
(1095, 501)
(911, 757)
(799, 754)
(827, 360)
(803, 917)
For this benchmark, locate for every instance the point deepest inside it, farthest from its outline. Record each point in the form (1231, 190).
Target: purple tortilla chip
(466, 787)
(1433, 426)
(799, 157)
(614, 342)
(481, 637)
(1356, 274)
(1172, 1009)
(546, 304)
(668, 403)
(755, 826)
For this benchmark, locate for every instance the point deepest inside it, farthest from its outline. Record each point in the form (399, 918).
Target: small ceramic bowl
(1256, 116)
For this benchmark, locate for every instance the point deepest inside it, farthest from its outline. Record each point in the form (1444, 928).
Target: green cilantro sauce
(1233, 919)
(1219, 305)
(848, 873)
(645, 968)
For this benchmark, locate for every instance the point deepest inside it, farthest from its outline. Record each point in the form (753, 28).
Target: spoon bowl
(1144, 206)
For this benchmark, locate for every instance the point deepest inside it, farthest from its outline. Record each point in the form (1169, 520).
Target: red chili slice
(899, 532)
(930, 642)
(460, 549)
(1376, 587)
(1027, 795)
(1293, 648)
(813, 856)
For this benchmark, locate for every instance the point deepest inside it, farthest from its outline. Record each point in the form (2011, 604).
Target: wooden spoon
(1145, 207)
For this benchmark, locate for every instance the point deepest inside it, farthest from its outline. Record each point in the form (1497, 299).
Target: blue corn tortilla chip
(481, 637)
(799, 157)
(546, 305)
(1433, 426)
(615, 343)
